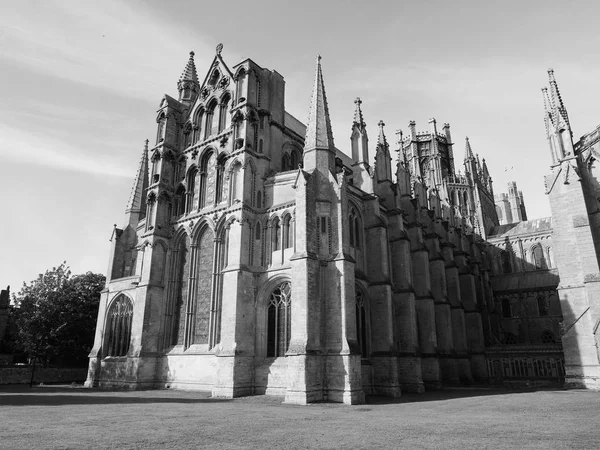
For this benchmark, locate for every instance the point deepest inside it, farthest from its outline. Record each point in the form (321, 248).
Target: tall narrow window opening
(279, 324)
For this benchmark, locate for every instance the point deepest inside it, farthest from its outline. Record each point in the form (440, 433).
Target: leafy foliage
(56, 315)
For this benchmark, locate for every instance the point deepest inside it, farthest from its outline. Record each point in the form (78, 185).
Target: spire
(318, 131)
(468, 151)
(188, 84)
(358, 115)
(137, 200)
(381, 140)
(556, 99)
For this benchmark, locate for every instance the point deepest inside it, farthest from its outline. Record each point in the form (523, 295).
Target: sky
(80, 83)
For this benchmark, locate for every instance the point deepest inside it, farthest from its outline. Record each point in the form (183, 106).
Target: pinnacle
(381, 140)
(358, 115)
(468, 151)
(318, 130)
(189, 72)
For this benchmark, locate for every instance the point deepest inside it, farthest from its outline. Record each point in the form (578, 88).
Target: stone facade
(256, 257)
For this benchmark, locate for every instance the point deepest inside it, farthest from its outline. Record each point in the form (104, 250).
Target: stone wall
(22, 375)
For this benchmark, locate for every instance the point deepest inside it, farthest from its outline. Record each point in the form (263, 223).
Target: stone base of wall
(46, 375)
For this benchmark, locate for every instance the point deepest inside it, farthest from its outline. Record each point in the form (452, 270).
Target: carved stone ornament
(219, 48)
(224, 140)
(224, 82)
(204, 93)
(195, 154)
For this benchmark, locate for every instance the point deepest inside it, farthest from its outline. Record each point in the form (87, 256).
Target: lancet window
(354, 228)
(279, 324)
(361, 322)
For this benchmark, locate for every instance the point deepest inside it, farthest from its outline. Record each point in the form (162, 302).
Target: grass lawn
(72, 417)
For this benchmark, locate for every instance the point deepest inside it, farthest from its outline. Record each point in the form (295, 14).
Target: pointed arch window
(354, 229)
(259, 199)
(285, 163)
(239, 86)
(219, 181)
(224, 116)
(257, 245)
(162, 123)
(279, 323)
(179, 201)
(205, 166)
(361, 322)
(287, 232)
(191, 190)
(294, 159)
(237, 183)
(120, 316)
(211, 126)
(537, 256)
(542, 304)
(198, 125)
(276, 231)
(187, 135)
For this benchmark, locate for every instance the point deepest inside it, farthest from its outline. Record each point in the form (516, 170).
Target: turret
(319, 150)
(188, 85)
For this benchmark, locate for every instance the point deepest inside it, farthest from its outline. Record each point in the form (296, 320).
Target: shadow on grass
(60, 396)
(449, 394)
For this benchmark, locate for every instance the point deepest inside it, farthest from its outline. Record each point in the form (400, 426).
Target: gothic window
(510, 339)
(187, 136)
(219, 183)
(550, 257)
(505, 260)
(259, 199)
(224, 116)
(285, 163)
(294, 159)
(119, 320)
(548, 337)
(211, 126)
(276, 236)
(287, 237)
(542, 304)
(279, 324)
(237, 183)
(179, 201)
(354, 228)
(537, 256)
(257, 248)
(506, 311)
(162, 122)
(204, 168)
(361, 323)
(240, 85)
(191, 183)
(262, 122)
(260, 146)
(198, 125)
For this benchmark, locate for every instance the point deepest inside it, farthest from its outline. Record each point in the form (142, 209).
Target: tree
(56, 315)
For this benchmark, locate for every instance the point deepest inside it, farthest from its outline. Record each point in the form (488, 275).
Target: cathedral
(256, 257)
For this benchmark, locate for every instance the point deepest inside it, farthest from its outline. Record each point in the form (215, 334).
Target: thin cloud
(27, 148)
